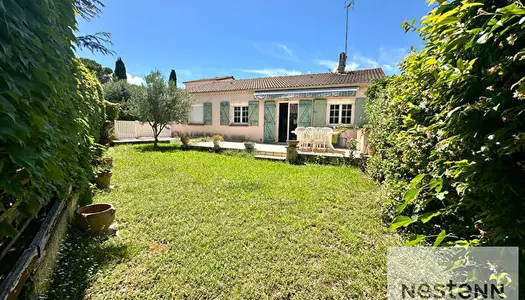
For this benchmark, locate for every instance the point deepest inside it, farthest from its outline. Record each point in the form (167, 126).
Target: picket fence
(135, 130)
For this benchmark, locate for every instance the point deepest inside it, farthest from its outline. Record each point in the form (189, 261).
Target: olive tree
(160, 103)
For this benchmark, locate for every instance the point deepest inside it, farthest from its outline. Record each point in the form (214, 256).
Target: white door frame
(278, 104)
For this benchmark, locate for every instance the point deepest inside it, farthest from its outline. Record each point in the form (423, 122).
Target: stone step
(270, 157)
(268, 153)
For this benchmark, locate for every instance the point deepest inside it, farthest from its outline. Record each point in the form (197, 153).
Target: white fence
(135, 130)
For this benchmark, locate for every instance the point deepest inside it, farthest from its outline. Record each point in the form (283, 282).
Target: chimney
(342, 63)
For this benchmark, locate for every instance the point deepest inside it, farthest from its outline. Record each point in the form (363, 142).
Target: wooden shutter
(207, 113)
(305, 113)
(269, 122)
(320, 113)
(225, 113)
(360, 116)
(253, 113)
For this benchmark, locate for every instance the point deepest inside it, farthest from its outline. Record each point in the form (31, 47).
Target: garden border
(35, 254)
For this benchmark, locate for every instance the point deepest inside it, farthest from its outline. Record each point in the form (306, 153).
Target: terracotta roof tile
(286, 82)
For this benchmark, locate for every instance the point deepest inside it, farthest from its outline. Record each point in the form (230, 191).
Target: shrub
(120, 91)
(217, 137)
(112, 110)
(449, 132)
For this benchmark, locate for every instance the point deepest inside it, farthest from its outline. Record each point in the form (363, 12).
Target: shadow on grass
(80, 258)
(160, 148)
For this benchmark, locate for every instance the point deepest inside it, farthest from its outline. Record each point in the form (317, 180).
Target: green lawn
(202, 225)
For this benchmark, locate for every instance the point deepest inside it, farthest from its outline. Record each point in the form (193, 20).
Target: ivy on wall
(50, 108)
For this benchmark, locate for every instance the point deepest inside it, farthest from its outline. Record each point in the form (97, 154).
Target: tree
(173, 77)
(89, 9)
(103, 73)
(120, 91)
(120, 70)
(160, 103)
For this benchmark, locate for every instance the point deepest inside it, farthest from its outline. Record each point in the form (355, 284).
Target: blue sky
(254, 38)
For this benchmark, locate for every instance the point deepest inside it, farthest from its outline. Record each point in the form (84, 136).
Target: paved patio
(143, 140)
(269, 148)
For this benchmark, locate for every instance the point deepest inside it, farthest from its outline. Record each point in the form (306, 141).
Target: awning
(307, 93)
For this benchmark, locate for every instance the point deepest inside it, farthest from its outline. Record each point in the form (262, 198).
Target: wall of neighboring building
(229, 132)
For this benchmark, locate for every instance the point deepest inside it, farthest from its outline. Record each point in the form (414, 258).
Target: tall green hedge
(47, 118)
(449, 132)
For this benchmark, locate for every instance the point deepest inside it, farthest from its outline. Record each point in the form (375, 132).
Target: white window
(197, 114)
(240, 115)
(340, 114)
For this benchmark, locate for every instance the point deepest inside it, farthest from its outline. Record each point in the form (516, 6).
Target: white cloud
(389, 69)
(392, 54)
(273, 72)
(351, 66)
(277, 50)
(332, 65)
(135, 79)
(386, 58)
(367, 62)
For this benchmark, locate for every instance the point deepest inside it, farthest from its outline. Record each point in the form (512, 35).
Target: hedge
(449, 131)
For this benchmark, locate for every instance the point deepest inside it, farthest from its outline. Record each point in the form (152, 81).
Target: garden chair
(300, 133)
(308, 138)
(329, 133)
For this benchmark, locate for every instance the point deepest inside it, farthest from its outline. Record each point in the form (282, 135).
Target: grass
(204, 225)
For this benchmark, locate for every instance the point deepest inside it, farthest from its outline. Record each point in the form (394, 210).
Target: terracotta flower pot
(103, 180)
(95, 218)
(185, 140)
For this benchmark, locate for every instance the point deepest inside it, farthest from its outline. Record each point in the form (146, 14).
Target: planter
(95, 218)
(185, 140)
(250, 146)
(103, 179)
(292, 143)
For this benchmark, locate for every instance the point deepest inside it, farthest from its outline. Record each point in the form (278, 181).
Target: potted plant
(107, 162)
(217, 139)
(185, 139)
(250, 146)
(351, 144)
(103, 179)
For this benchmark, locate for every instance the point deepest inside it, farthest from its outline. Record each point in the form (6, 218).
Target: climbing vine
(51, 110)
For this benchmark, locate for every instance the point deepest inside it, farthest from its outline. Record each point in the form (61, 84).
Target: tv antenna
(348, 5)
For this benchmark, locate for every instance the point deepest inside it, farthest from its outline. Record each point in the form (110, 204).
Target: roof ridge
(322, 73)
(290, 81)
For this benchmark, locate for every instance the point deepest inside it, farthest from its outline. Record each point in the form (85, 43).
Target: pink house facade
(267, 110)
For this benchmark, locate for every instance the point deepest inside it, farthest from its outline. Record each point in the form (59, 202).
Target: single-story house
(269, 109)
